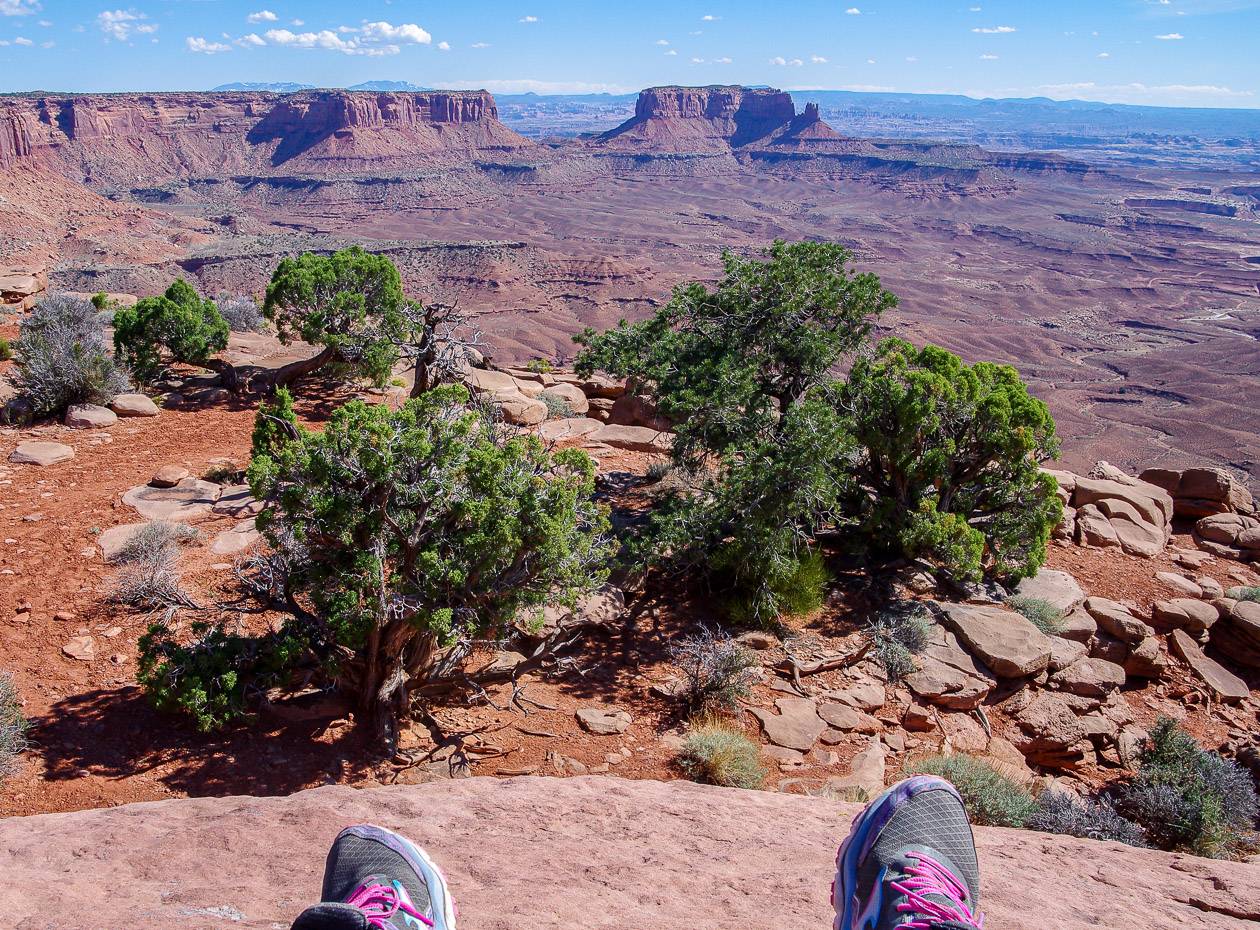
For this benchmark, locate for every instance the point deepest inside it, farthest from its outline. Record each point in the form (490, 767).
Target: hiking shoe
(377, 880)
(909, 861)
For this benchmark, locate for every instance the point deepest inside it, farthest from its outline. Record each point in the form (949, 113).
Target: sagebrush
(717, 670)
(243, 315)
(898, 633)
(1060, 812)
(12, 726)
(63, 359)
(991, 798)
(718, 755)
(1039, 612)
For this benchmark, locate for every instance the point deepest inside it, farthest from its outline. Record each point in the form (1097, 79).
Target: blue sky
(1172, 52)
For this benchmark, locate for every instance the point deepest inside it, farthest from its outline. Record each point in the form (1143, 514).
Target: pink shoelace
(932, 878)
(381, 902)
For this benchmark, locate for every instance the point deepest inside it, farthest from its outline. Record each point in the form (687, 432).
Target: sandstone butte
(569, 854)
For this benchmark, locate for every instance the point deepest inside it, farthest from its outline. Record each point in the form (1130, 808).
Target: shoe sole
(439, 894)
(867, 826)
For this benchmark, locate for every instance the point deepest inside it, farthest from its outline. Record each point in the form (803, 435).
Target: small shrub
(63, 359)
(1189, 798)
(102, 302)
(797, 593)
(899, 633)
(539, 366)
(242, 314)
(557, 407)
(1059, 812)
(658, 470)
(718, 670)
(991, 799)
(1246, 594)
(178, 326)
(154, 542)
(12, 726)
(6, 350)
(1040, 612)
(149, 585)
(717, 755)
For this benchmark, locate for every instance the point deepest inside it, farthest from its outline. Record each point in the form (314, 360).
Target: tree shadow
(117, 734)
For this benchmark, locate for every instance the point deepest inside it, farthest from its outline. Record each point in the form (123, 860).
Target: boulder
(1006, 641)
(568, 428)
(115, 538)
(632, 438)
(236, 500)
(1139, 513)
(238, 539)
(134, 405)
(1065, 652)
(1146, 660)
(90, 416)
(1089, 678)
(570, 395)
(1050, 732)
(796, 725)
(41, 452)
(1183, 613)
(849, 719)
(1180, 583)
(190, 499)
(866, 694)
(1237, 633)
(1093, 528)
(948, 675)
(1200, 492)
(1107, 647)
(637, 410)
(1116, 619)
(1224, 685)
(168, 476)
(866, 772)
(1078, 626)
(603, 721)
(1057, 587)
(1230, 535)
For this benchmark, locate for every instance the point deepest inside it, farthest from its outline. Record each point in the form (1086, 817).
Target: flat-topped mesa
(700, 119)
(124, 137)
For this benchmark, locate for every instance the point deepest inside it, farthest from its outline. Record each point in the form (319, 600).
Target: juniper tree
(178, 326)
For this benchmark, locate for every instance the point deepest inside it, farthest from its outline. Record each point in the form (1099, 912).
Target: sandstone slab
(115, 538)
(190, 499)
(1004, 640)
(1089, 678)
(796, 725)
(842, 717)
(568, 428)
(1224, 684)
(41, 452)
(603, 721)
(1116, 619)
(1057, 587)
(948, 675)
(236, 540)
(632, 438)
(1183, 613)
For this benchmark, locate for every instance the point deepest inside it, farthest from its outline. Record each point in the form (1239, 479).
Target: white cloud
(444, 46)
(912, 58)
(49, 44)
(368, 44)
(988, 58)
(697, 61)
(528, 19)
(672, 52)
(818, 59)
(993, 30)
(853, 11)
(119, 24)
(778, 60)
(1104, 54)
(200, 45)
(870, 61)
(1170, 37)
(662, 41)
(252, 40)
(147, 28)
(19, 7)
(532, 85)
(405, 33)
(786, 62)
(975, 9)
(709, 18)
(722, 61)
(45, 23)
(480, 45)
(297, 22)
(262, 16)
(23, 40)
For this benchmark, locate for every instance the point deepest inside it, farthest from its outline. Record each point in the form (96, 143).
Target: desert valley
(1118, 274)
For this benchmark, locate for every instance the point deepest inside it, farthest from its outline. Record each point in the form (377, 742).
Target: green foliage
(1244, 594)
(63, 358)
(539, 366)
(211, 678)
(179, 325)
(898, 633)
(724, 363)
(798, 591)
(1188, 798)
(1060, 812)
(351, 302)
(6, 351)
(557, 407)
(718, 755)
(948, 464)
(102, 302)
(12, 726)
(276, 425)
(991, 799)
(717, 670)
(397, 534)
(1040, 612)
